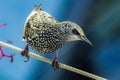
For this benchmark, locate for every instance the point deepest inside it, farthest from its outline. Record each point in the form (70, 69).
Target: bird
(44, 34)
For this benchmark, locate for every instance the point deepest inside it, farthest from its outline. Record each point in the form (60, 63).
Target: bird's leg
(55, 61)
(25, 53)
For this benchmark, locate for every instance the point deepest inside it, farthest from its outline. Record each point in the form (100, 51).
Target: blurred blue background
(100, 20)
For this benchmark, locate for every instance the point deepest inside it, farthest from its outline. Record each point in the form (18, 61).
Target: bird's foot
(55, 63)
(25, 53)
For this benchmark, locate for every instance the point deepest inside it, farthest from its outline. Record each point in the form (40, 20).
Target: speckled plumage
(44, 34)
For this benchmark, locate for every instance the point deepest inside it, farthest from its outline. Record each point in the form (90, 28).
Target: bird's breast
(47, 40)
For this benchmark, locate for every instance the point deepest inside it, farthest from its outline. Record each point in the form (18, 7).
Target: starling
(45, 34)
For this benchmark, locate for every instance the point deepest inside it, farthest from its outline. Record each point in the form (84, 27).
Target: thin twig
(64, 66)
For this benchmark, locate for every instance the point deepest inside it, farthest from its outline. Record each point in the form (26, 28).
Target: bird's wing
(41, 20)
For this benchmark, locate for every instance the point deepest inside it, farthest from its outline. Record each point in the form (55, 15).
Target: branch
(64, 66)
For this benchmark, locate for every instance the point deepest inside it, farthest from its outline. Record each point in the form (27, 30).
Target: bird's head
(74, 32)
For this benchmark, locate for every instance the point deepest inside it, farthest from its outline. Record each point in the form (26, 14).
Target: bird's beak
(86, 40)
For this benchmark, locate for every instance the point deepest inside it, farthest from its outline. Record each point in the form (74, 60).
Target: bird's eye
(74, 31)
